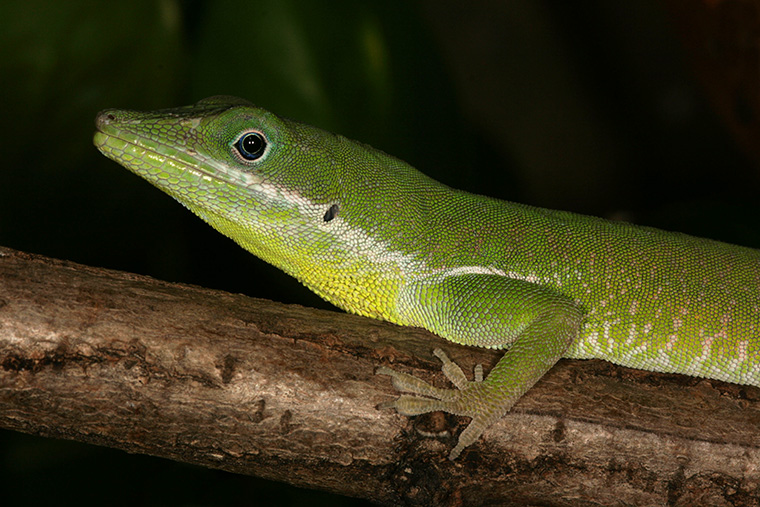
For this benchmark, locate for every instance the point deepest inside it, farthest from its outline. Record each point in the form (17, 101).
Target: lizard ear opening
(331, 213)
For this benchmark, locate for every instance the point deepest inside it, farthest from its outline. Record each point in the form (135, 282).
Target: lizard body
(376, 237)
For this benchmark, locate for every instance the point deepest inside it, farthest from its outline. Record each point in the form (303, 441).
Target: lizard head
(313, 203)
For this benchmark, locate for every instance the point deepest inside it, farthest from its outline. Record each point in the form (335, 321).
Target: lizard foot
(470, 398)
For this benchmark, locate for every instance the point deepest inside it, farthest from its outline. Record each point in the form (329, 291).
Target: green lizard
(376, 237)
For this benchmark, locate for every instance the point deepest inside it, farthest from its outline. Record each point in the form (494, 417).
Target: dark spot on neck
(331, 213)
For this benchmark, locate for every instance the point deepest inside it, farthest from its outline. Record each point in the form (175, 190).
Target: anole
(378, 238)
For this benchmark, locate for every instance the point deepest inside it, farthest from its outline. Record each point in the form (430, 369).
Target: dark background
(644, 112)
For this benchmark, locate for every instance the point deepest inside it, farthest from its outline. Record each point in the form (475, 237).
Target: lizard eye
(251, 145)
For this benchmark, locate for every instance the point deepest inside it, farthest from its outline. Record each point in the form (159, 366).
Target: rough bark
(289, 393)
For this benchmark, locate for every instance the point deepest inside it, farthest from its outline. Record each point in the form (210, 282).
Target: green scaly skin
(376, 237)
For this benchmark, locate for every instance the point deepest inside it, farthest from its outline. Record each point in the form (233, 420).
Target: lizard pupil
(251, 145)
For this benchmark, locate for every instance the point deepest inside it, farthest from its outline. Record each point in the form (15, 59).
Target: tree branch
(289, 393)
